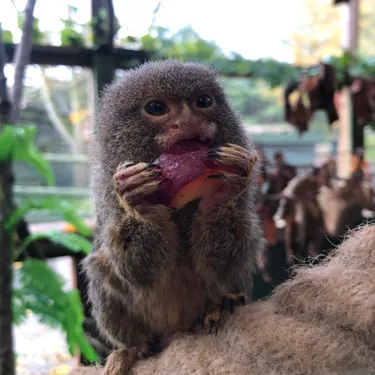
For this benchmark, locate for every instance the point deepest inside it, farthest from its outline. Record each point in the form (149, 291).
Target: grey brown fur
(155, 274)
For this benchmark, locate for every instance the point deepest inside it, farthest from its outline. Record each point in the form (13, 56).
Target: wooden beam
(103, 57)
(348, 126)
(336, 2)
(72, 56)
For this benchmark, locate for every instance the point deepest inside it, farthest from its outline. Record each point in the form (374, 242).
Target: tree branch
(21, 60)
(3, 61)
(16, 7)
(52, 112)
(6, 339)
(10, 114)
(155, 13)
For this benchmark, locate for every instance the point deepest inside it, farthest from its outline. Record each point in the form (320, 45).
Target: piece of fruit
(187, 170)
(200, 187)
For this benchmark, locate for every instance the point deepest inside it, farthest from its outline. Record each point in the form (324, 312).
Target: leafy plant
(38, 288)
(72, 241)
(17, 143)
(7, 36)
(41, 290)
(187, 44)
(71, 35)
(38, 36)
(100, 26)
(52, 205)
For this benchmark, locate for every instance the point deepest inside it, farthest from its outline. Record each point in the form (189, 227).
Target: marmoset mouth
(192, 143)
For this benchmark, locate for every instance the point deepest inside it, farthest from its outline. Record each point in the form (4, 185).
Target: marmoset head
(160, 104)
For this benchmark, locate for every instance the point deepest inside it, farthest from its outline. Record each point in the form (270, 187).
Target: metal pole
(350, 12)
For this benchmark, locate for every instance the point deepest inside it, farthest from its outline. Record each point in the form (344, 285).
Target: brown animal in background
(299, 208)
(322, 97)
(153, 271)
(342, 206)
(314, 93)
(363, 94)
(363, 91)
(339, 214)
(359, 191)
(300, 114)
(278, 180)
(327, 172)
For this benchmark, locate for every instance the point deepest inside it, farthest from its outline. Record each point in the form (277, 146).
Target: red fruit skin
(186, 169)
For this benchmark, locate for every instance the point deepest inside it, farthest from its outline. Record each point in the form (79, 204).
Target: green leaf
(72, 9)
(68, 211)
(7, 36)
(72, 241)
(71, 37)
(26, 151)
(82, 342)
(25, 207)
(7, 141)
(52, 205)
(18, 143)
(42, 292)
(18, 307)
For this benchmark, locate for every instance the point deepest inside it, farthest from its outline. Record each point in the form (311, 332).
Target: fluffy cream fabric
(321, 322)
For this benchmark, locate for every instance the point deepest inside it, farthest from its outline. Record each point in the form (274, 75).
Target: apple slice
(187, 170)
(200, 187)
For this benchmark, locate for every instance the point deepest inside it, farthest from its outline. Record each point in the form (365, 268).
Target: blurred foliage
(39, 37)
(247, 99)
(366, 28)
(17, 143)
(71, 34)
(7, 36)
(53, 205)
(37, 287)
(100, 27)
(41, 290)
(319, 38)
(348, 66)
(186, 44)
(72, 241)
(319, 34)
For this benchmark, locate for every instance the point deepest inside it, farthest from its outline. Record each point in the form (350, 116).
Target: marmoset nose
(174, 126)
(187, 122)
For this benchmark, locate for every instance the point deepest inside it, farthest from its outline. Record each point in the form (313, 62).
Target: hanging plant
(39, 37)
(71, 34)
(7, 36)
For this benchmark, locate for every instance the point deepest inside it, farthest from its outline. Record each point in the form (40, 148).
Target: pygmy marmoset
(153, 270)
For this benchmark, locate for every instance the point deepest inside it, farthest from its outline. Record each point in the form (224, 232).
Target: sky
(254, 28)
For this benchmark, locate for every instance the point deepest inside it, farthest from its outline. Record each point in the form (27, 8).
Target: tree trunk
(7, 366)
(6, 339)
(21, 60)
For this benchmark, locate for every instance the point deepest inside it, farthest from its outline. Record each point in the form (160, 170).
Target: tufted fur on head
(122, 133)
